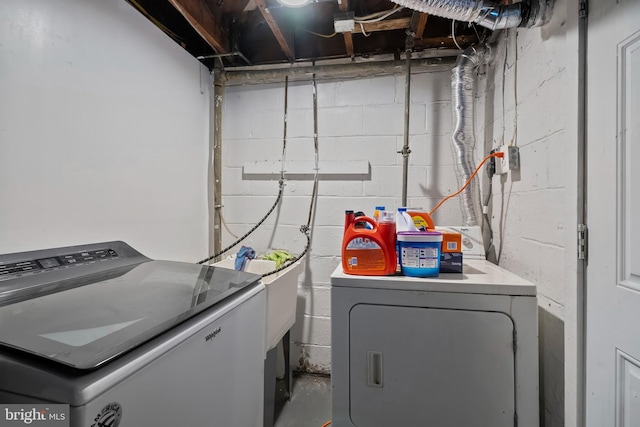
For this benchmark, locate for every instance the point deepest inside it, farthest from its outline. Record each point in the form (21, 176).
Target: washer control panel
(24, 275)
(33, 266)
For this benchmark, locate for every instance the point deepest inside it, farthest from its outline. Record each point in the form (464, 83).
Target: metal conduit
(218, 94)
(405, 148)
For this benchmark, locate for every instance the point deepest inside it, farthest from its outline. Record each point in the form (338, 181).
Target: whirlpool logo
(213, 334)
(37, 415)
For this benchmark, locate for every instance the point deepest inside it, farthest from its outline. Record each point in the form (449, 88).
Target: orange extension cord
(466, 184)
(326, 424)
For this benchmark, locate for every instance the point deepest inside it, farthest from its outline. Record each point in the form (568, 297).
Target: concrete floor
(310, 405)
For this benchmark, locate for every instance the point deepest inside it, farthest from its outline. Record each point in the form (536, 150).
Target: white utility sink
(282, 295)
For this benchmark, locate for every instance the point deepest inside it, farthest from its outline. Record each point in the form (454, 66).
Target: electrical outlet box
(344, 22)
(510, 160)
(513, 156)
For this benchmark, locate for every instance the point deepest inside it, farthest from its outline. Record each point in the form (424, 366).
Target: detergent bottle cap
(402, 209)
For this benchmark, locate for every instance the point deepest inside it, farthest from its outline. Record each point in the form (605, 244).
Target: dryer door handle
(375, 377)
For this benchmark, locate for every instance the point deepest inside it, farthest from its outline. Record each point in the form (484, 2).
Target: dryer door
(420, 366)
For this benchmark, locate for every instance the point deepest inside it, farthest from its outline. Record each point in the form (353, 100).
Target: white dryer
(457, 350)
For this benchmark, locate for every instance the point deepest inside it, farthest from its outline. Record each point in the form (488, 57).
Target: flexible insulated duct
(488, 14)
(463, 136)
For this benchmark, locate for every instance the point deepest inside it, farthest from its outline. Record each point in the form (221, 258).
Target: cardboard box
(451, 241)
(450, 262)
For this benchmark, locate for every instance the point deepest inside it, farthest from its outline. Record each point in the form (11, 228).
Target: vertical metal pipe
(581, 273)
(211, 198)
(284, 126)
(405, 148)
(315, 111)
(218, 94)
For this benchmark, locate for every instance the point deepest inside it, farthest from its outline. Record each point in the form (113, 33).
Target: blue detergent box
(450, 262)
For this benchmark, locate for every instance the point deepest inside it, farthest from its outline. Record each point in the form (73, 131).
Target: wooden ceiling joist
(348, 38)
(389, 24)
(348, 43)
(204, 22)
(275, 29)
(264, 32)
(422, 24)
(235, 7)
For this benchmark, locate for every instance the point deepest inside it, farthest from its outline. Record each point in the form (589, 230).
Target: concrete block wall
(358, 119)
(522, 99)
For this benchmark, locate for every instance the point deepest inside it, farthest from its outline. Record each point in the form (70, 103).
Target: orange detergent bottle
(368, 252)
(421, 219)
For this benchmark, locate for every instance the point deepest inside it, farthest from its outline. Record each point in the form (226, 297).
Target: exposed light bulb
(294, 3)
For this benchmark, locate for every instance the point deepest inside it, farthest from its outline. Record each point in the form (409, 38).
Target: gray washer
(132, 341)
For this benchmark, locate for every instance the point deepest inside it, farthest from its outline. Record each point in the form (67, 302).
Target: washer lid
(478, 277)
(102, 317)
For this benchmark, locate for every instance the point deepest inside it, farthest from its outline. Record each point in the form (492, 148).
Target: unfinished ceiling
(233, 33)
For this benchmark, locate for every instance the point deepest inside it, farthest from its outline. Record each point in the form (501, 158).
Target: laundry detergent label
(420, 257)
(420, 223)
(362, 243)
(364, 254)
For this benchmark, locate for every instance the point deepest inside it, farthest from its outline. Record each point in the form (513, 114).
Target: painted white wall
(358, 119)
(528, 97)
(104, 131)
